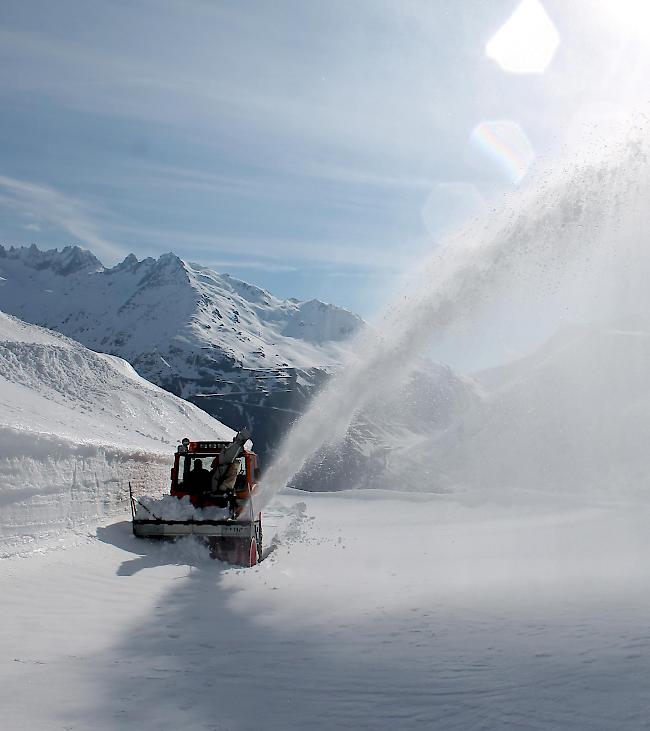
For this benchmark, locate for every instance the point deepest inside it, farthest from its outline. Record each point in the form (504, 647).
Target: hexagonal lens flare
(526, 42)
(505, 142)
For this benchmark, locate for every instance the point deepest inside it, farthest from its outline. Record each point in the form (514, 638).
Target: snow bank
(75, 428)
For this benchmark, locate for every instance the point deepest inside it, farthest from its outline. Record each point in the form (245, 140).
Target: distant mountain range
(574, 415)
(240, 353)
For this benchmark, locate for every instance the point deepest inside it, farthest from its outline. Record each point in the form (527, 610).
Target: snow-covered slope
(573, 416)
(185, 327)
(141, 307)
(387, 444)
(75, 427)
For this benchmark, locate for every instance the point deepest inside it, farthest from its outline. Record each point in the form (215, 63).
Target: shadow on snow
(187, 551)
(213, 656)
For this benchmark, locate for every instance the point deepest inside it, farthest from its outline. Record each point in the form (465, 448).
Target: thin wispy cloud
(284, 251)
(294, 133)
(218, 182)
(253, 264)
(199, 88)
(62, 211)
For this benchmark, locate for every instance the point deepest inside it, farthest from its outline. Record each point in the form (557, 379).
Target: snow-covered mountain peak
(168, 269)
(174, 299)
(200, 334)
(318, 322)
(70, 260)
(129, 263)
(250, 292)
(138, 306)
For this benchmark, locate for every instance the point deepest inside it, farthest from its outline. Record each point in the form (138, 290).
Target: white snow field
(500, 608)
(507, 608)
(75, 427)
(375, 611)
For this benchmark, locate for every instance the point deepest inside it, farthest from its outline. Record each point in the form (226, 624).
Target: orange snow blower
(219, 505)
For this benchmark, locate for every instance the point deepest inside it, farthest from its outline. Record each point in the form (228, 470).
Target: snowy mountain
(573, 416)
(236, 350)
(387, 444)
(75, 427)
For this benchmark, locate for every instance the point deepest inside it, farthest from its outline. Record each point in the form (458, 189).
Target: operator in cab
(199, 479)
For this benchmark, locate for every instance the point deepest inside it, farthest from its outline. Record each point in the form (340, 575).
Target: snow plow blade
(237, 542)
(160, 528)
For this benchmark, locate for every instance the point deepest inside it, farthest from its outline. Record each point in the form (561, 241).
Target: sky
(319, 149)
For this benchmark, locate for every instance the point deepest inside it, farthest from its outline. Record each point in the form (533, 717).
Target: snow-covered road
(375, 611)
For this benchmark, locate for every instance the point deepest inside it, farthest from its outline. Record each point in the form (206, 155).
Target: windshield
(191, 462)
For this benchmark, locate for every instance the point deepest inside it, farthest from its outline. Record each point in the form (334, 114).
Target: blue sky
(319, 149)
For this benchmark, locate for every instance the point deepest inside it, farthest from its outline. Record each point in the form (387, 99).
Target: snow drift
(75, 427)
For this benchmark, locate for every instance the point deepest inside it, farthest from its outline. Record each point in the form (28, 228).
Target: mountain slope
(387, 444)
(75, 427)
(573, 416)
(236, 350)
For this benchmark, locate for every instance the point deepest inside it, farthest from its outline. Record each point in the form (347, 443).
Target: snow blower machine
(214, 504)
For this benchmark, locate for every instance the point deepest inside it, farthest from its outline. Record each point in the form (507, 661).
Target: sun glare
(526, 42)
(630, 16)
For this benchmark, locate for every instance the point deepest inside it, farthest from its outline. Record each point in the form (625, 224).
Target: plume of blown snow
(572, 218)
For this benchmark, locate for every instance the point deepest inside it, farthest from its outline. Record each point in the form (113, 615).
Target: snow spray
(556, 226)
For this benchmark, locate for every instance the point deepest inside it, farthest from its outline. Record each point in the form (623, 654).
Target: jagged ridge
(234, 348)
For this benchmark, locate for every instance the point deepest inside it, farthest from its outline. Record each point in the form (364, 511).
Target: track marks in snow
(377, 635)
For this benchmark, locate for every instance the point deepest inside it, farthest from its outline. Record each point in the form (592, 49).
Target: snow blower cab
(211, 496)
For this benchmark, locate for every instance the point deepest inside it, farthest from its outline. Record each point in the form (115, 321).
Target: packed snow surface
(75, 428)
(374, 611)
